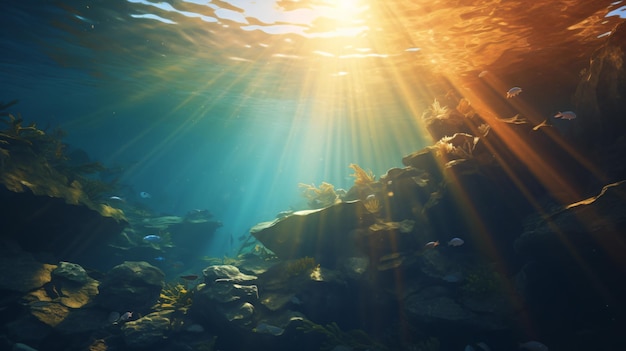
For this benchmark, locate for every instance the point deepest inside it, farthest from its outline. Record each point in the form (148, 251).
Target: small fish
(513, 92)
(190, 277)
(533, 346)
(456, 242)
(159, 258)
(568, 115)
(542, 124)
(431, 244)
(125, 317)
(152, 238)
(145, 195)
(117, 198)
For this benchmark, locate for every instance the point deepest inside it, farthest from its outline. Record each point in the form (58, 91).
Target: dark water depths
(228, 105)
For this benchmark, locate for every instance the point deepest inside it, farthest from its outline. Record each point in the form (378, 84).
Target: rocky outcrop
(131, 286)
(323, 234)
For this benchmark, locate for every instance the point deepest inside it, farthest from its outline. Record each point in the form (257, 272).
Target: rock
(225, 273)
(242, 313)
(431, 305)
(600, 94)
(72, 272)
(19, 271)
(323, 233)
(146, 331)
(131, 286)
(34, 217)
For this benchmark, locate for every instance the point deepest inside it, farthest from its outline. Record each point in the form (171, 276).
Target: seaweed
(436, 111)
(320, 197)
(299, 266)
(174, 297)
(362, 177)
(355, 339)
(38, 151)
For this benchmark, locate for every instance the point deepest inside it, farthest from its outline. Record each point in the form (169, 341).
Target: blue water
(228, 106)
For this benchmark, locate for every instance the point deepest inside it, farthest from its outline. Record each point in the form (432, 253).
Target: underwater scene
(333, 175)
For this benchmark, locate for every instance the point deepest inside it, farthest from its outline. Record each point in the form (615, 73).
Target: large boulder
(131, 286)
(323, 234)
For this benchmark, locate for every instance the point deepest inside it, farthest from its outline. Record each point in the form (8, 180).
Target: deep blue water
(227, 106)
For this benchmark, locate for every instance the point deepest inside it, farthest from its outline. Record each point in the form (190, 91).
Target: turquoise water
(212, 113)
(228, 106)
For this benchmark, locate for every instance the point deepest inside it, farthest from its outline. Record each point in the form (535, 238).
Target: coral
(320, 197)
(372, 205)
(362, 177)
(174, 297)
(436, 111)
(353, 339)
(459, 146)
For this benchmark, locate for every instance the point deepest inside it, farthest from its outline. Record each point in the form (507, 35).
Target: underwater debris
(362, 177)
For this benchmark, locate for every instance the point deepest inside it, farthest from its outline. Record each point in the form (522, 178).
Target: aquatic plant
(299, 266)
(458, 146)
(174, 297)
(482, 279)
(34, 146)
(436, 111)
(372, 205)
(362, 177)
(355, 339)
(320, 197)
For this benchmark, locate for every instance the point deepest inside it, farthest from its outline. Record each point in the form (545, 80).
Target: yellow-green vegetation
(372, 205)
(320, 197)
(361, 176)
(482, 279)
(354, 339)
(39, 158)
(174, 297)
(299, 266)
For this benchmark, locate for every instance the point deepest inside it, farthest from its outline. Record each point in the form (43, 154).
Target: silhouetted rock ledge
(315, 233)
(46, 215)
